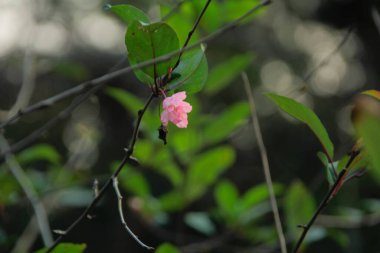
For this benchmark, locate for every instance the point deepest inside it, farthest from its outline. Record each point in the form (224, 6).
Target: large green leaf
(206, 168)
(145, 42)
(226, 196)
(193, 70)
(128, 13)
(299, 207)
(223, 125)
(224, 73)
(66, 248)
(307, 116)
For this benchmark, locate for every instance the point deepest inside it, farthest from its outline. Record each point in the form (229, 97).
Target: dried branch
(120, 208)
(265, 162)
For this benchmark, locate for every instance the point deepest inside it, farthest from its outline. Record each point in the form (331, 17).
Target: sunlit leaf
(128, 13)
(224, 73)
(206, 168)
(224, 124)
(307, 116)
(145, 42)
(66, 248)
(39, 152)
(201, 222)
(193, 72)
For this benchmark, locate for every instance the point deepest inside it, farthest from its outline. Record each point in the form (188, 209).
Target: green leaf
(145, 42)
(206, 168)
(193, 70)
(220, 128)
(167, 248)
(329, 170)
(133, 104)
(224, 73)
(172, 201)
(134, 181)
(369, 130)
(201, 222)
(307, 116)
(258, 194)
(299, 207)
(128, 13)
(39, 152)
(226, 196)
(66, 248)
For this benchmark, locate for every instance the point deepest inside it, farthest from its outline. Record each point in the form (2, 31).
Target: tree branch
(127, 159)
(120, 208)
(330, 194)
(100, 81)
(265, 162)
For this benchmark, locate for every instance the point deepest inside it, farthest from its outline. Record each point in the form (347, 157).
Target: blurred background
(204, 191)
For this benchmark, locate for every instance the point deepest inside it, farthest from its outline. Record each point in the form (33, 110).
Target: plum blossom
(175, 110)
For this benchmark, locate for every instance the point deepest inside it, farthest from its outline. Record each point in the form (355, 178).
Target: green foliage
(201, 222)
(167, 248)
(206, 168)
(66, 248)
(193, 70)
(225, 72)
(307, 116)
(221, 127)
(369, 130)
(299, 207)
(145, 42)
(39, 152)
(128, 13)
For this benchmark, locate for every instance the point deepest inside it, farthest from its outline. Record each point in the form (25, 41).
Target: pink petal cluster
(175, 110)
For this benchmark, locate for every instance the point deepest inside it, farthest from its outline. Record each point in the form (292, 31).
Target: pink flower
(175, 110)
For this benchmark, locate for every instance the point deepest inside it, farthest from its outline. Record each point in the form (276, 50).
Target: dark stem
(325, 201)
(192, 32)
(127, 158)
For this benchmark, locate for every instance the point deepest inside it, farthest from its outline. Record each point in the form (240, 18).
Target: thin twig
(330, 194)
(127, 159)
(100, 81)
(265, 162)
(31, 194)
(120, 208)
(192, 31)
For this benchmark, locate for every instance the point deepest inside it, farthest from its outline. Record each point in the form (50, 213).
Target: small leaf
(224, 73)
(307, 116)
(193, 70)
(299, 207)
(128, 13)
(172, 201)
(146, 42)
(222, 126)
(66, 248)
(226, 196)
(39, 152)
(206, 168)
(133, 104)
(258, 194)
(167, 248)
(329, 170)
(201, 222)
